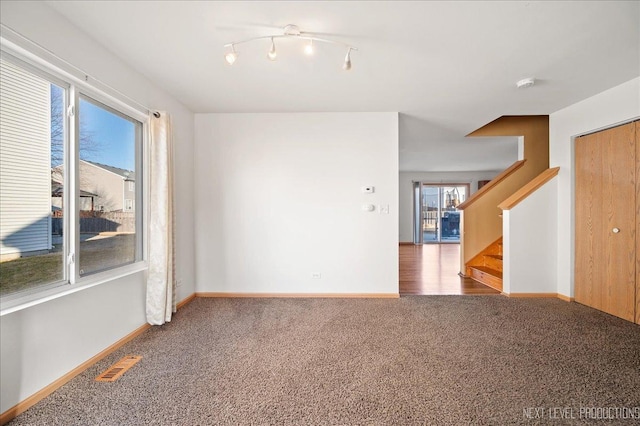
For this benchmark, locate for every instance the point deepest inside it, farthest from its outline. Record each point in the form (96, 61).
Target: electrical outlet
(316, 275)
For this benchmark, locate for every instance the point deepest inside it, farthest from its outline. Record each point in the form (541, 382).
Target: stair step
(487, 276)
(490, 271)
(493, 261)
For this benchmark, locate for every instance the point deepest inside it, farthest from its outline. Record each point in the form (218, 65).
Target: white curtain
(161, 282)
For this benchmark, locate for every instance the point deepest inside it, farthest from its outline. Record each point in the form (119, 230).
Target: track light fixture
(290, 31)
(308, 49)
(347, 61)
(272, 52)
(231, 57)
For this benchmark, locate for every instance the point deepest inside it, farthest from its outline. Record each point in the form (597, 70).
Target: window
(109, 144)
(62, 198)
(31, 187)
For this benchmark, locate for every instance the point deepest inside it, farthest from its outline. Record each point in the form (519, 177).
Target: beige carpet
(446, 360)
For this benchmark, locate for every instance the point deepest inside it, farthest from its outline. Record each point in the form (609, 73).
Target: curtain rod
(85, 76)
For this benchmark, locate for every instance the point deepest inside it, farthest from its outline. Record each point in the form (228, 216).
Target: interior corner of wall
(520, 148)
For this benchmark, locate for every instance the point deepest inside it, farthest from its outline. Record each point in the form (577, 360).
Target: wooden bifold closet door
(607, 199)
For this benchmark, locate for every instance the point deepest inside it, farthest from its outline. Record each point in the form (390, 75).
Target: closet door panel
(637, 141)
(588, 221)
(606, 220)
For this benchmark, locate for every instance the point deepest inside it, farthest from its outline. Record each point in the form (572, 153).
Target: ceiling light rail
(292, 32)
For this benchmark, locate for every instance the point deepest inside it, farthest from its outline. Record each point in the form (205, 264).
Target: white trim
(55, 65)
(43, 72)
(73, 181)
(607, 127)
(43, 58)
(60, 290)
(520, 148)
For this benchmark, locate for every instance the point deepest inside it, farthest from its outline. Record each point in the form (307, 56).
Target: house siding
(110, 189)
(129, 195)
(106, 185)
(25, 169)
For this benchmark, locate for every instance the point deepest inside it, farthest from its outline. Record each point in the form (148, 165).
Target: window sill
(14, 303)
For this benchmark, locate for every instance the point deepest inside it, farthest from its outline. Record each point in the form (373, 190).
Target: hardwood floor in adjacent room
(433, 269)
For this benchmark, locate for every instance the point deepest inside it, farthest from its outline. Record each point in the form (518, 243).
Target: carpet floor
(438, 360)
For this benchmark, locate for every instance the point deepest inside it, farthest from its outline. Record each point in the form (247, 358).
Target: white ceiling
(447, 67)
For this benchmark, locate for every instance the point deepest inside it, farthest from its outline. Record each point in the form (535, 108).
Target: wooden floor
(433, 269)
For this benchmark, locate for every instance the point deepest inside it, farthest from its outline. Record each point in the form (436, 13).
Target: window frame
(139, 170)
(74, 87)
(52, 79)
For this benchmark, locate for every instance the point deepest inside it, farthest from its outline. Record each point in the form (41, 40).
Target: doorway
(436, 214)
(430, 269)
(606, 220)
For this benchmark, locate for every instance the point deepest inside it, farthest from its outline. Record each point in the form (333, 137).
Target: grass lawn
(26, 272)
(95, 255)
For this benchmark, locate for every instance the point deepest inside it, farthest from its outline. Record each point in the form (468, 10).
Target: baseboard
(301, 295)
(565, 298)
(545, 295)
(24, 405)
(186, 301)
(407, 243)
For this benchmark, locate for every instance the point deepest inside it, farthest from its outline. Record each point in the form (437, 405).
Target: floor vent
(118, 369)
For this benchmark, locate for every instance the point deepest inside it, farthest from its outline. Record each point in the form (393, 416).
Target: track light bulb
(347, 61)
(231, 57)
(308, 49)
(272, 55)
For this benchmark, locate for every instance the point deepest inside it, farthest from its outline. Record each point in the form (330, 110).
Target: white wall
(529, 232)
(406, 192)
(613, 106)
(279, 198)
(42, 343)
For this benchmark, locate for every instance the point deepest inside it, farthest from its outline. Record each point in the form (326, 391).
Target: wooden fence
(96, 222)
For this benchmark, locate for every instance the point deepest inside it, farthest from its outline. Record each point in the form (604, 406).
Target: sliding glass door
(438, 218)
(430, 209)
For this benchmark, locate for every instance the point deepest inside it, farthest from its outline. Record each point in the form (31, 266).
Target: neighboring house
(25, 181)
(102, 188)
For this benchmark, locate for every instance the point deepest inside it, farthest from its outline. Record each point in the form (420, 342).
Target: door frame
(574, 210)
(418, 212)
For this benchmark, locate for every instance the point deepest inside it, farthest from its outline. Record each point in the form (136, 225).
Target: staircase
(486, 267)
(481, 221)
